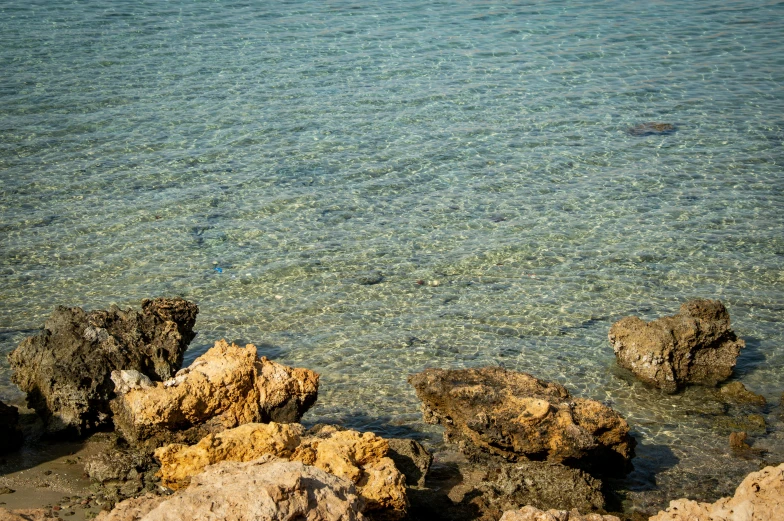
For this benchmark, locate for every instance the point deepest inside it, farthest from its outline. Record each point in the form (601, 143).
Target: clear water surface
(477, 147)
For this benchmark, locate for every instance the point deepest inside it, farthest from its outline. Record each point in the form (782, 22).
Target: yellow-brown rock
(225, 387)
(490, 410)
(245, 443)
(759, 497)
(361, 458)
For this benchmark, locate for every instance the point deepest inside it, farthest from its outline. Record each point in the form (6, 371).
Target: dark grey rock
(410, 458)
(652, 128)
(65, 369)
(369, 278)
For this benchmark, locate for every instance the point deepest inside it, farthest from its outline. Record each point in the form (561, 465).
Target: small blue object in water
(219, 270)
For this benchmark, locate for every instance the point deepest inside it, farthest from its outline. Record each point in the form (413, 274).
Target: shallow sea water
(477, 147)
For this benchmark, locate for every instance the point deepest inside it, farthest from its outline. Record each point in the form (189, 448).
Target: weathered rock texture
(122, 473)
(530, 513)
(225, 387)
(518, 417)
(695, 346)
(736, 393)
(760, 497)
(27, 514)
(65, 369)
(460, 490)
(268, 489)
(411, 458)
(10, 434)
(361, 458)
(179, 463)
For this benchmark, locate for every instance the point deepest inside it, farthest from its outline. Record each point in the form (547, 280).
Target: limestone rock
(411, 458)
(10, 434)
(462, 490)
(27, 514)
(245, 443)
(760, 497)
(736, 392)
(518, 417)
(695, 346)
(65, 369)
(361, 458)
(267, 489)
(132, 509)
(530, 513)
(225, 387)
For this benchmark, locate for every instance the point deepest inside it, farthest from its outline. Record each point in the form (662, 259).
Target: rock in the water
(530, 513)
(267, 489)
(65, 370)
(411, 458)
(695, 346)
(518, 417)
(736, 392)
(10, 434)
(225, 387)
(760, 497)
(652, 128)
(738, 441)
(370, 278)
(361, 458)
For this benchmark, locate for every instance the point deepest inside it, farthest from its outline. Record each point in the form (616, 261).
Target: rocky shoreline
(222, 438)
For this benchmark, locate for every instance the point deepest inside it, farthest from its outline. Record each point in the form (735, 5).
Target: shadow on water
(750, 358)
(649, 461)
(384, 426)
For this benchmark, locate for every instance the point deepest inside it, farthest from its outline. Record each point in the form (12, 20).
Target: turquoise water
(478, 148)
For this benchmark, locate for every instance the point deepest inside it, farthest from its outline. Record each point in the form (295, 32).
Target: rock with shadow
(695, 346)
(65, 369)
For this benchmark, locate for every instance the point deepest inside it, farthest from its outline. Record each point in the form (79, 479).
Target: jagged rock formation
(361, 458)
(695, 346)
(65, 369)
(760, 497)
(267, 489)
(225, 387)
(518, 417)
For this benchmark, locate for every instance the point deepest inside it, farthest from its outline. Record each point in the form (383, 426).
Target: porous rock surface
(225, 387)
(759, 497)
(530, 513)
(696, 346)
(518, 417)
(411, 458)
(361, 458)
(267, 489)
(65, 369)
(10, 434)
(27, 514)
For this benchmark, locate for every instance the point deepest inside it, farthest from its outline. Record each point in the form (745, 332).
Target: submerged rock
(530, 513)
(760, 497)
(736, 393)
(65, 369)
(361, 458)
(695, 346)
(264, 489)
(11, 437)
(513, 415)
(225, 387)
(652, 128)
